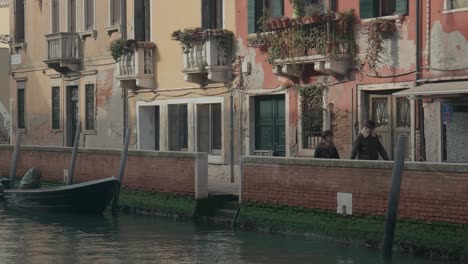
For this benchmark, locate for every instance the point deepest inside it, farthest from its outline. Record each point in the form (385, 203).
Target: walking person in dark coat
(326, 149)
(368, 145)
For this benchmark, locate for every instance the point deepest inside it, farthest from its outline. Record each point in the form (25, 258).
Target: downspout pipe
(418, 77)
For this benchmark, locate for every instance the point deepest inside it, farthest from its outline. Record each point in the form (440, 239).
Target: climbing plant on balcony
(377, 30)
(189, 36)
(120, 47)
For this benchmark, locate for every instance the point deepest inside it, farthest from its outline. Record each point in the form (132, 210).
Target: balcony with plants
(313, 37)
(206, 54)
(135, 62)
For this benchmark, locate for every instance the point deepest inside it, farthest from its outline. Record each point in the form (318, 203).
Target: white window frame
(69, 16)
(448, 9)
(111, 8)
(192, 123)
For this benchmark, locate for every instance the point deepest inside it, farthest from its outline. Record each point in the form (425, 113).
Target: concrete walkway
(223, 188)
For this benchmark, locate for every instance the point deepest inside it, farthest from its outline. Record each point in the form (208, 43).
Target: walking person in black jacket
(326, 149)
(368, 145)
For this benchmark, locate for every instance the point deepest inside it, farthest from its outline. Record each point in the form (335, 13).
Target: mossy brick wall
(314, 184)
(147, 171)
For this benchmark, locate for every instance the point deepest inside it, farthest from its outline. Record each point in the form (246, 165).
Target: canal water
(29, 238)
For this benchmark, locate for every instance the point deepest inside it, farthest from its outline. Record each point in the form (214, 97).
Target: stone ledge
(414, 166)
(140, 153)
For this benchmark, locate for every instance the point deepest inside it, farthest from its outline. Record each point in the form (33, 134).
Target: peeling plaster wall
(432, 121)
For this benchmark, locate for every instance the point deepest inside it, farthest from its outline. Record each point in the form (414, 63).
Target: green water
(29, 238)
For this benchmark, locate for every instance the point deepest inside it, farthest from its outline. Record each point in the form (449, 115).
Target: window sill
(89, 132)
(457, 10)
(392, 17)
(215, 160)
(20, 45)
(112, 29)
(88, 33)
(22, 130)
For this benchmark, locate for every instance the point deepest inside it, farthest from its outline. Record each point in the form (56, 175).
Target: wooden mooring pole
(394, 197)
(123, 163)
(14, 162)
(71, 169)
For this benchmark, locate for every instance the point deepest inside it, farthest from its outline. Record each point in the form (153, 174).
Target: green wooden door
(270, 124)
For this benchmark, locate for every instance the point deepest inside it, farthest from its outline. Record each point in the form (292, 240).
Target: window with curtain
(258, 8)
(378, 8)
(178, 127)
(56, 107)
(19, 21)
(114, 12)
(90, 107)
(458, 4)
(212, 14)
(209, 128)
(88, 14)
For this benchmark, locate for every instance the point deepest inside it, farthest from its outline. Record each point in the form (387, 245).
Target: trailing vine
(312, 106)
(121, 47)
(377, 30)
(189, 36)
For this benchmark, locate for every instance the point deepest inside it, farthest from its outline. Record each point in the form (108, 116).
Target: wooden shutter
(147, 25)
(206, 14)
(89, 23)
(55, 16)
(219, 14)
(368, 8)
(333, 5)
(277, 8)
(401, 7)
(252, 21)
(19, 21)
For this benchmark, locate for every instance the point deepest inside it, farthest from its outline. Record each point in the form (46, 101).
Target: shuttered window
(88, 14)
(56, 107)
(55, 16)
(142, 13)
(178, 127)
(209, 128)
(377, 8)
(115, 12)
(258, 8)
(212, 14)
(90, 107)
(72, 15)
(21, 104)
(19, 21)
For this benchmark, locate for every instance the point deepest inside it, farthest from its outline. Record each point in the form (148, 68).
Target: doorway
(73, 114)
(270, 124)
(392, 116)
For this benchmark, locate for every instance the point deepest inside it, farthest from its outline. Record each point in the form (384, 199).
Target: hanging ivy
(377, 30)
(312, 106)
(189, 36)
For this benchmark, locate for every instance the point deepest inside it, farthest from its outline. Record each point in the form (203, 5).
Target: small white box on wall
(345, 203)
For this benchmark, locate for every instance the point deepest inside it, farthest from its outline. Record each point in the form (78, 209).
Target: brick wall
(425, 195)
(179, 173)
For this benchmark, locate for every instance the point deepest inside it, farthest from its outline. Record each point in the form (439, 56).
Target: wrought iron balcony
(137, 68)
(205, 57)
(64, 51)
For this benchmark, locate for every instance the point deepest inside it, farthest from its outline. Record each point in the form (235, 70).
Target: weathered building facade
(389, 61)
(4, 72)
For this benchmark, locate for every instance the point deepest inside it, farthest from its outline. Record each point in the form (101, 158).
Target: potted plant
(121, 47)
(285, 21)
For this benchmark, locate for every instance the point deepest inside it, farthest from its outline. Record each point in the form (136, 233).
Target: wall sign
(16, 59)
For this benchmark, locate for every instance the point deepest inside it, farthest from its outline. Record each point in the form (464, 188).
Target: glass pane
(178, 127)
(216, 143)
(203, 126)
(380, 111)
(55, 107)
(403, 114)
(90, 111)
(459, 3)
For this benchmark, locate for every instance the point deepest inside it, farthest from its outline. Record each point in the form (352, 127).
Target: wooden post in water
(123, 163)
(14, 162)
(71, 169)
(394, 197)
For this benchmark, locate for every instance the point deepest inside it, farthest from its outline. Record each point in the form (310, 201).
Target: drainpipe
(231, 99)
(123, 33)
(418, 76)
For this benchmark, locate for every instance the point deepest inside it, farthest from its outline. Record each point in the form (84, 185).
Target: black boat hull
(89, 197)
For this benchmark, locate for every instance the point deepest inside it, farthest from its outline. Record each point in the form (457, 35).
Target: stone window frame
(52, 17)
(113, 27)
(21, 80)
(88, 32)
(69, 16)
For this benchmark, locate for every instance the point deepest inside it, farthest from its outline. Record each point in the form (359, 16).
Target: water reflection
(29, 238)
